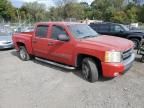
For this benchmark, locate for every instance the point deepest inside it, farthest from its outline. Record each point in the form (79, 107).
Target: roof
(61, 23)
(106, 23)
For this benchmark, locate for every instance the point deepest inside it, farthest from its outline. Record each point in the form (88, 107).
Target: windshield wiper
(88, 36)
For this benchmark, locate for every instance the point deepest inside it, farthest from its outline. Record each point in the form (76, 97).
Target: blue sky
(18, 3)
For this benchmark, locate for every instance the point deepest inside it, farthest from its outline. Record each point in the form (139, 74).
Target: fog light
(116, 74)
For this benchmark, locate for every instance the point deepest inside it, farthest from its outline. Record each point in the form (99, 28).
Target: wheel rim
(22, 54)
(85, 70)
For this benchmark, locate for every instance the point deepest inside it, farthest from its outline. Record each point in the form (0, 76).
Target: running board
(54, 63)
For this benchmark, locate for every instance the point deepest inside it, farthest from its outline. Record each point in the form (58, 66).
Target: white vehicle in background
(6, 40)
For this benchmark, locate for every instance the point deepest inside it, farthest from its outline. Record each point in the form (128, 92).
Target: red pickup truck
(73, 45)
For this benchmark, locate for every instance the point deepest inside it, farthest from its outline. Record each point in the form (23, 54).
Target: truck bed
(23, 37)
(23, 34)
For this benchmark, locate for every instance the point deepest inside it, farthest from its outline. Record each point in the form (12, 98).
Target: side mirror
(121, 31)
(62, 37)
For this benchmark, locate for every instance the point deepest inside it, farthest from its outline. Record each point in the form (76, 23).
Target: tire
(142, 59)
(136, 43)
(138, 51)
(23, 54)
(90, 70)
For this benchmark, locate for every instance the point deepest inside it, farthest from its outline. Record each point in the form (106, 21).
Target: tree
(103, 9)
(35, 9)
(61, 3)
(132, 12)
(141, 14)
(7, 11)
(119, 17)
(117, 4)
(62, 6)
(74, 10)
(87, 10)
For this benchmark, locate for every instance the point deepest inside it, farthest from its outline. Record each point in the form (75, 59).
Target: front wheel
(136, 43)
(90, 70)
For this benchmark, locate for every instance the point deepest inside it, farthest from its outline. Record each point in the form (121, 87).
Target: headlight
(113, 56)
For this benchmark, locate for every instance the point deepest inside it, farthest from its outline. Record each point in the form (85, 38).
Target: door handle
(50, 43)
(34, 41)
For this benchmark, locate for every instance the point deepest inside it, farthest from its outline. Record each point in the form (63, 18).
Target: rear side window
(57, 30)
(101, 27)
(42, 31)
(95, 27)
(104, 28)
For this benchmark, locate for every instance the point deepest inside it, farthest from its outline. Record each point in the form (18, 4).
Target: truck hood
(110, 42)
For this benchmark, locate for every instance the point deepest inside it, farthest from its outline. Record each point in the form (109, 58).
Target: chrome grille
(126, 54)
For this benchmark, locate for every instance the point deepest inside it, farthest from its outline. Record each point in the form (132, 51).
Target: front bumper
(115, 69)
(6, 46)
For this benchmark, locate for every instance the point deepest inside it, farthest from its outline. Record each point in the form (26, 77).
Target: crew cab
(118, 30)
(76, 45)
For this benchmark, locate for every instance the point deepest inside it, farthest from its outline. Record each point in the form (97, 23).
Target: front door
(117, 30)
(60, 51)
(40, 41)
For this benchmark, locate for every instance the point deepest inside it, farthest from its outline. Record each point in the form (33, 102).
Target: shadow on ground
(5, 50)
(14, 53)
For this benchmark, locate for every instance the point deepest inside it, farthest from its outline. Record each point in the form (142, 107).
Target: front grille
(6, 42)
(127, 54)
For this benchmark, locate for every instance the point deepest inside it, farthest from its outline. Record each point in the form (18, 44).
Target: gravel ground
(33, 84)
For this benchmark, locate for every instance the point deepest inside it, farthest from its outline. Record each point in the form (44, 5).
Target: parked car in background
(75, 45)
(119, 30)
(140, 51)
(6, 40)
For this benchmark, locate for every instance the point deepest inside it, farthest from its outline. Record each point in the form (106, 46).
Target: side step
(54, 63)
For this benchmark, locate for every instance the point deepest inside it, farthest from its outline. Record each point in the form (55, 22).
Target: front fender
(135, 36)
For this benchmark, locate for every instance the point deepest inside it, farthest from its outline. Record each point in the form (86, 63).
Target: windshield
(82, 31)
(125, 27)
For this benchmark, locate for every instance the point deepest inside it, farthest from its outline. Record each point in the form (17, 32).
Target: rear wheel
(142, 59)
(23, 54)
(136, 43)
(90, 70)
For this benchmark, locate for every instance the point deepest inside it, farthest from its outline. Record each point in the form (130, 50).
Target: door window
(116, 28)
(56, 31)
(42, 31)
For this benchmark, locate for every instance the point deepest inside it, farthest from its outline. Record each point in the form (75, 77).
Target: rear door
(40, 41)
(60, 51)
(104, 29)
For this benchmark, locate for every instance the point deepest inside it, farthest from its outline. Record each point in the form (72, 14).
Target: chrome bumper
(128, 63)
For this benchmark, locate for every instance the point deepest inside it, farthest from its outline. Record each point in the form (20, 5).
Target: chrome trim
(128, 62)
(54, 63)
(126, 54)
